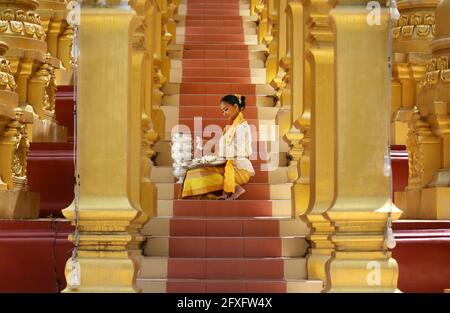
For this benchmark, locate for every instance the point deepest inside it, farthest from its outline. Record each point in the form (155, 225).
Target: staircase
(248, 245)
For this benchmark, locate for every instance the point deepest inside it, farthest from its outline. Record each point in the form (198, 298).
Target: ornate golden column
(319, 102)
(412, 35)
(15, 200)
(32, 67)
(428, 191)
(292, 66)
(59, 37)
(362, 204)
(280, 81)
(115, 196)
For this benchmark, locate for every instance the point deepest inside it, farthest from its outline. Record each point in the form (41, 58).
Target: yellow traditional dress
(236, 147)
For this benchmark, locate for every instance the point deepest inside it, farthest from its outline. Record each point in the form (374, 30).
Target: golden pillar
(361, 210)
(54, 14)
(297, 136)
(412, 35)
(15, 200)
(32, 67)
(281, 80)
(319, 101)
(115, 135)
(428, 193)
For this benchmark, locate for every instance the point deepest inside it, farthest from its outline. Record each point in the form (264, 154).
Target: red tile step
(216, 54)
(216, 72)
(254, 191)
(233, 80)
(225, 286)
(206, 39)
(215, 17)
(224, 247)
(191, 30)
(206, 2)
(221, 226)
(209, 208)
(215, 46)
(212, 12)
(200, 100)
(213, 23)
(225, 268)
(212, 111)
(217, 88)
(215, 63)
(217, 6)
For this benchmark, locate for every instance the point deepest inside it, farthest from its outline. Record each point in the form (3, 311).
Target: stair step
(213, 2)
(210, 111)
(214, 100)
(242, 18)
(216, 23)
(229, 286)
(164, 174)
(215, 46)
(217, 54)
(227, 226)
(217, 88)
(211, 38)
(276, 208)
(209, 30)
(211, 63)
(215, 6)
(215, 16)
(233, 80)
(213, 111)
(254, 191)
(221, 89)
(225, 247)
(244, 208)
(216, 72)
(212, 11)
(223, 268)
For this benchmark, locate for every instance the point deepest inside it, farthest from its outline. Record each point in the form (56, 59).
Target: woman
(225, 181)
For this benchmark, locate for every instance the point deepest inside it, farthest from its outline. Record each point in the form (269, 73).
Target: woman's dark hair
(233, 99)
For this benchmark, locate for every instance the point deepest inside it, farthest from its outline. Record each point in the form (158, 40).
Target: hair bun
(242, 104)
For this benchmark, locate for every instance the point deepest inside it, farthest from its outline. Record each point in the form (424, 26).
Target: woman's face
(229, 111)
